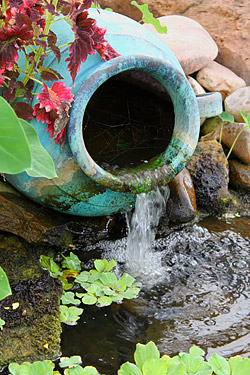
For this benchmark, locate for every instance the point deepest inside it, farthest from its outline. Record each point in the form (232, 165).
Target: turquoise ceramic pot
(83, 187)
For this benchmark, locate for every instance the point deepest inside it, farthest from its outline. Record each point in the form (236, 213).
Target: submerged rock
(215, 77)
(182, 203)
(189, 41)
(209, 170)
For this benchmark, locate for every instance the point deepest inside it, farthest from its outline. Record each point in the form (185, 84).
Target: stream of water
(195, 290)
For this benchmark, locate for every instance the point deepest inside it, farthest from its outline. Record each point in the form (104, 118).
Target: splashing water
(141, 259)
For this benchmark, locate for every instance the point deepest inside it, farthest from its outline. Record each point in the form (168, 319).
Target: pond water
(201, 298)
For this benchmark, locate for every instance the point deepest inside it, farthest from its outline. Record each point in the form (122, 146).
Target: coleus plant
(25, 29)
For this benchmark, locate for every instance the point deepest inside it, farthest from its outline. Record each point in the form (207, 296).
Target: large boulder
(227, 22)
(189, 41)
(209, 170)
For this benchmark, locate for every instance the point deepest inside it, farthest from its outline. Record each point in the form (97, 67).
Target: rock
(210, 125)
(32, 330)
(215, 77)
(238, 101)
(241, 148)
(228, 135)
(208, 168)
(227, 22)
(239, 175)
(182, 198)
(189, 41)
(20, 216)
(198, 89)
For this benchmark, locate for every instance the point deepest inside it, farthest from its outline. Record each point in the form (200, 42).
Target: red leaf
(48, 74)
(53, 107)
(52, 39)
(82, 45)
(23, 110)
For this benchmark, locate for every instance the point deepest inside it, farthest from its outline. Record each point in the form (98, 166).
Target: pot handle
(210, 104)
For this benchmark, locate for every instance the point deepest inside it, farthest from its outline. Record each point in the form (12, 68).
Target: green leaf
(147, 17)
(42, 164)
(90, 370)
(191, 362)
(219, 365)
(82, 277)
(176, 368)
(72, 262)
(196, 351)
(13, 368)
(42, 368)
(131, 293)
(226, 117)
(204, 369)
(129, 369)
(70, 361)
(154, 366)
(23, 369)
(233, 361)
(110, 265)
(125, 281)
(15, 155)
(5, 290)
(248, 121)
(100, 264)
(78, 370)
(108, 279)
(242, 367)
(89, 300)
(104, 301)
(69, 298)
(48, 264)
(145, 352)
(69, 315)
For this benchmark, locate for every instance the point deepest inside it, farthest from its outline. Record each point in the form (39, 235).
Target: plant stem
(231, 149)
(49, 18)
(64, 45)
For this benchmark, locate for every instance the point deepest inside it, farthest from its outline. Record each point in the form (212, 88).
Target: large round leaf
(41, 162)
(15, 154)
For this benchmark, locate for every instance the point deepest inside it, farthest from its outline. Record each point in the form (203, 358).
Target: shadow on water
(202, 298)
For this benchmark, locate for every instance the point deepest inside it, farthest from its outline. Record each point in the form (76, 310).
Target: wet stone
(181, 206)
(208, 168)
(31, 314)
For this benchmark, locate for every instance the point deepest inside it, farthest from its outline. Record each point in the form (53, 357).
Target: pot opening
(128, 120)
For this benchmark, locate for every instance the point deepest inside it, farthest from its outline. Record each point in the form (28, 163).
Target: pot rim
(160, 170)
